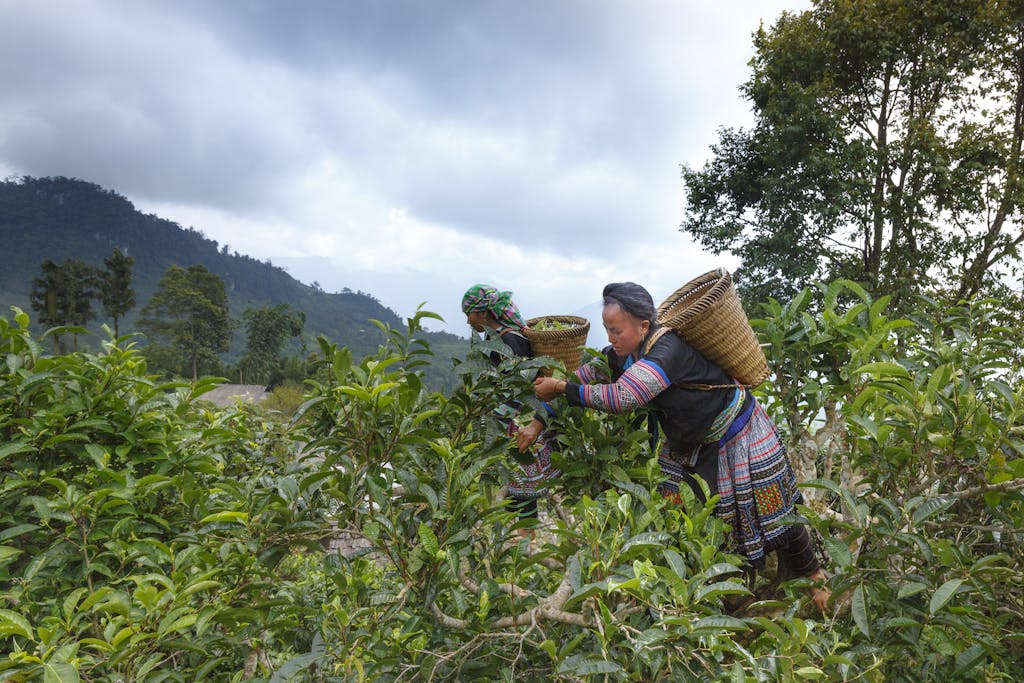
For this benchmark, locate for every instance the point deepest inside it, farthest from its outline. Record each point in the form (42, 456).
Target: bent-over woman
(711, 426)
(493, 312)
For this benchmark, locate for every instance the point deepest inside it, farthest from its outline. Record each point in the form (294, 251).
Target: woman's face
(477, 320)
(625, 331)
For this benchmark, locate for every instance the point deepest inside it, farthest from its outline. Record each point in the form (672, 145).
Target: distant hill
(61, 218)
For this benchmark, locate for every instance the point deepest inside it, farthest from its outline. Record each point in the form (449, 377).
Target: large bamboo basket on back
(564, 343)
(706, 312)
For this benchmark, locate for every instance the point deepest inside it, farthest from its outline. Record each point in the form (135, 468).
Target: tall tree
(886, 148)
(189, 313)
(63, 295)
(267, 329)
(116, 291)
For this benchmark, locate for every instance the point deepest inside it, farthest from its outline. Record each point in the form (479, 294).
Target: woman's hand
(528, 434)
(547, 388)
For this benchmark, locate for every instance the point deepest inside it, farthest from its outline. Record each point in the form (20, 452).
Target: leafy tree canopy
(267, 328)
(63, 295)
(886, 149)
(189, 314)
(116, 292)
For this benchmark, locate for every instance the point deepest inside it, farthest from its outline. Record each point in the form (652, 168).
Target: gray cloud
(554, 126)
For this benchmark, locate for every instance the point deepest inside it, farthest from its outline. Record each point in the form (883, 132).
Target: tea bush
(146, 536)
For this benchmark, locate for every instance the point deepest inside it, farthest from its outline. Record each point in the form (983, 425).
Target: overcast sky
(406, 148)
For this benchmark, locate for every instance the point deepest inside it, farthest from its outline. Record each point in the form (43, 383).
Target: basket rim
(580, 328)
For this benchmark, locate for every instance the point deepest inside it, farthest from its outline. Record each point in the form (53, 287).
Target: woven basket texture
(706, 312)
(565, 344)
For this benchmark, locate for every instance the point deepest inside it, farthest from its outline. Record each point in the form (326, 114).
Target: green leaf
(98, 454)
(60, 672)
(485, 605)
(721, 588)
(676, 562)
(198, 587)
(838, 551)
(428, 538)
(9, 449)
(295, 666)
(826, 484)
(615, 584)
(13, 624)
(648, 539)
(809, 672)
(18, 530)
(859, 608)
(883, 369)
(772, 628)
(968, 659)
(71, 601)
(1003, 390)
(720, 569)
(8, 554)
(587, 665)
(931, 507)
(226, 516)
(909, 589)
(721, 622)
(943, 595)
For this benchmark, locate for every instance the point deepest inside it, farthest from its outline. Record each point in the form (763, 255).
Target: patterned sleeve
(637, 386)
(591, 373)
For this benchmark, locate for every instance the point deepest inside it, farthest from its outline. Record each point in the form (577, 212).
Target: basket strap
(655, 336)
(705, 387)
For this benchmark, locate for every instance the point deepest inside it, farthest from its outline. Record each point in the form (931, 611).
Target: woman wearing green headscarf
(492, 312)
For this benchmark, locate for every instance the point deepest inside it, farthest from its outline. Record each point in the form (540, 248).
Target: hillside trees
(188, 316)
(267, 329)
(63, 296)
(886, 149)
(116, 291)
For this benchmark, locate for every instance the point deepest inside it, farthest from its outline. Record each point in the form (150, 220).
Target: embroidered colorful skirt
(755, 482)
(530, 482)
(756, 485)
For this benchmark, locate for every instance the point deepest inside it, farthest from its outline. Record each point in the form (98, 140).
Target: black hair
(633, 299)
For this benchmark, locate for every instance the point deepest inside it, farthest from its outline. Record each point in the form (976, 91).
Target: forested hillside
(62, 218)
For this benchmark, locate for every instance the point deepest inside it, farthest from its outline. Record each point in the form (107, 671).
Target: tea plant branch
(1003, 486)
(473, 587)
(548, 608)
(974, 527)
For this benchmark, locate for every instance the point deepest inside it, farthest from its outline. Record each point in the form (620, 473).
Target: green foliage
(908, 433)
(886, 149)
(267, 329)
(63, 295)
(140, 534)
(285, 399)
(116, 292)
(189, 314)
(144, 536)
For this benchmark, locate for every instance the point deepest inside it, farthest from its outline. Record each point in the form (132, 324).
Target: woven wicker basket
(565, 344)
(706, 312)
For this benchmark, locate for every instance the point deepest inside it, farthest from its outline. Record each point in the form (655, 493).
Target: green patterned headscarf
(499, 304)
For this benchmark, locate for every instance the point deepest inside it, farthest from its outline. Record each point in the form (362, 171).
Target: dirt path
(227, 394)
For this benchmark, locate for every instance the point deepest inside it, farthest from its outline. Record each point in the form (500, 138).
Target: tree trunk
(974, 276)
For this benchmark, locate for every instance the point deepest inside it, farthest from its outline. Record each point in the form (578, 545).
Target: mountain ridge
(59, 218)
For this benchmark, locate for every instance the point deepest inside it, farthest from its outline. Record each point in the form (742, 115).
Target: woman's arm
(637, 386)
